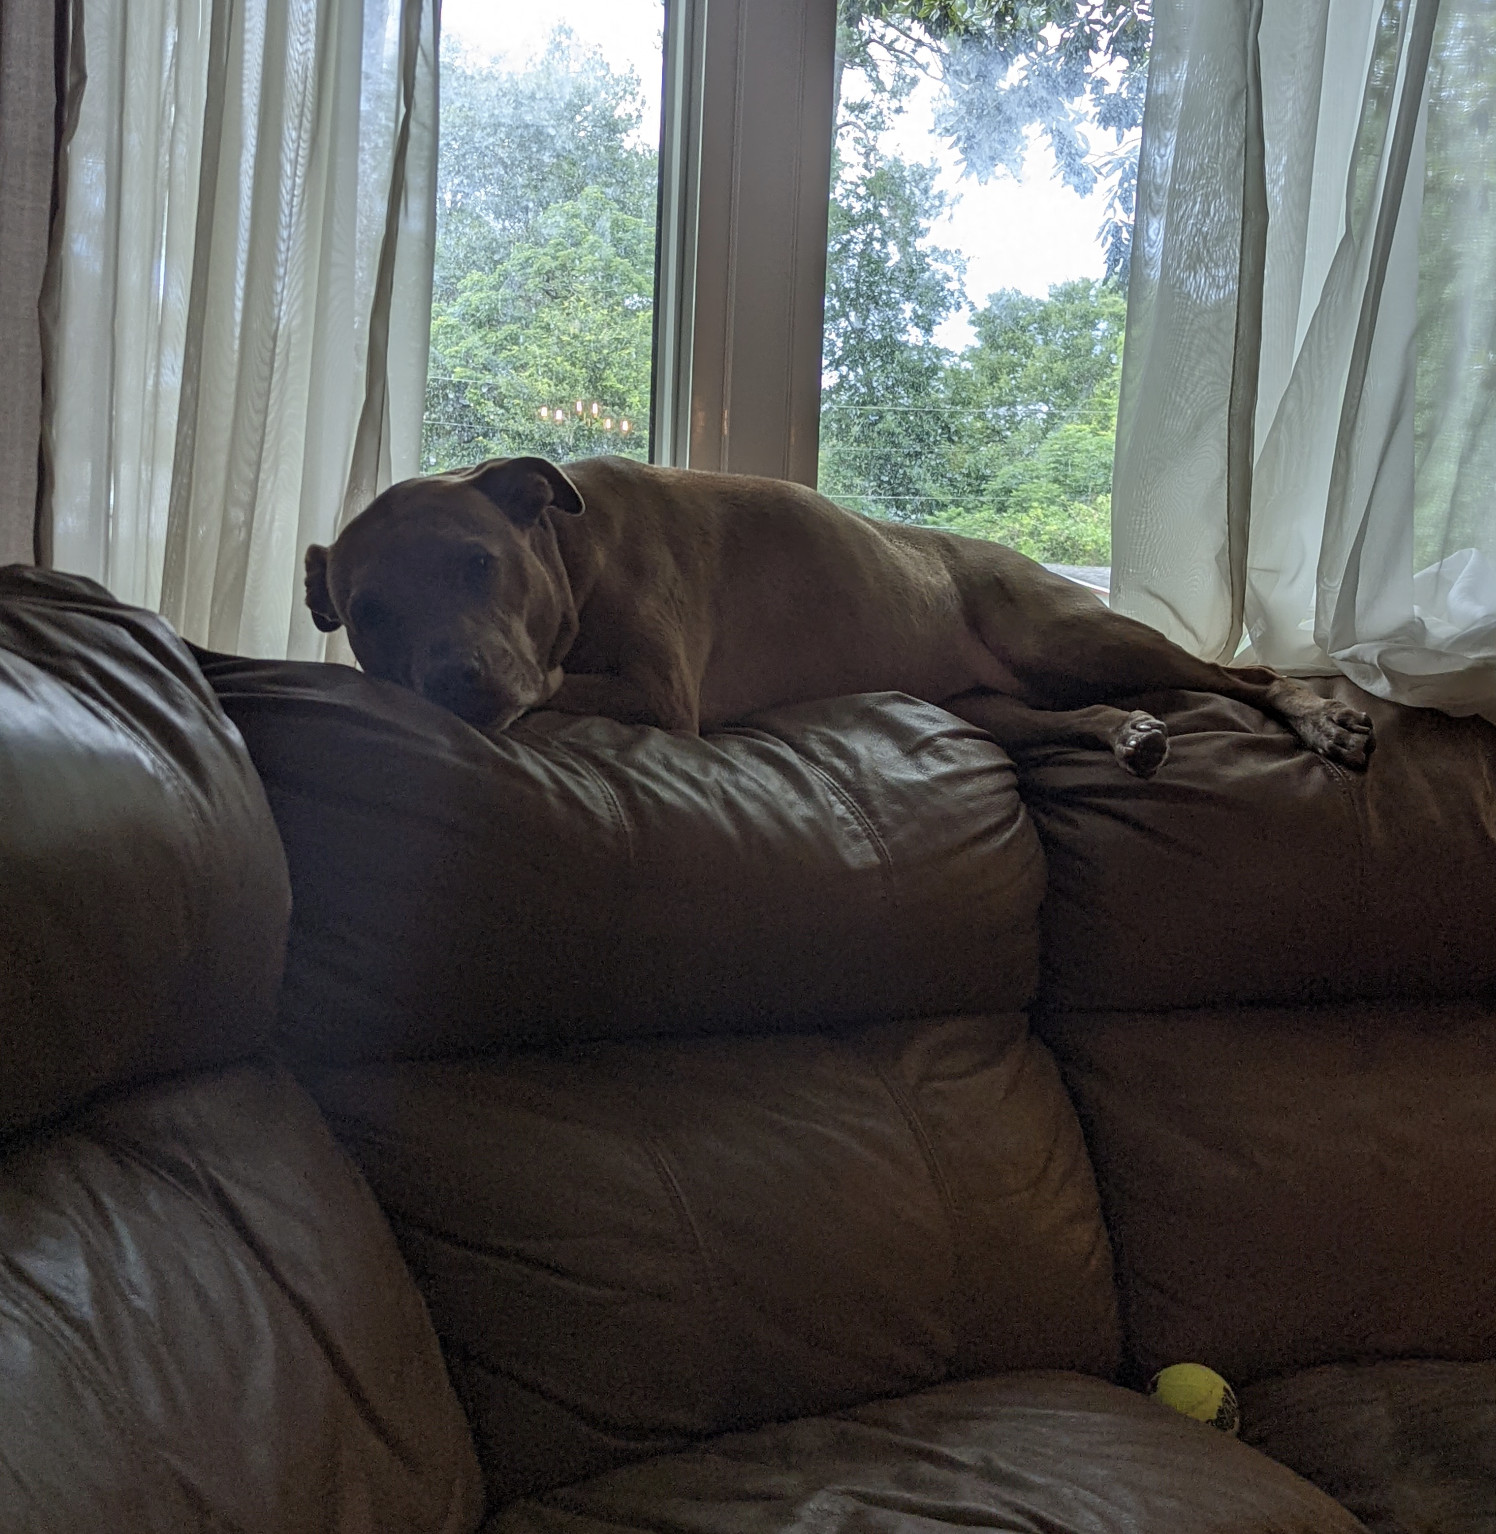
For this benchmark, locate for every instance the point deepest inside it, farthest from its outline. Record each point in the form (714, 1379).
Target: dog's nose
(463, 686)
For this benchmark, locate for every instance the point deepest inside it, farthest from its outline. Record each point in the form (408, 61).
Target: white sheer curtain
(1306, 458)
(242, 291)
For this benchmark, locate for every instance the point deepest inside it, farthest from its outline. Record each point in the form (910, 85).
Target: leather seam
(615, 806)
(839, 792)
(910, 1115)
(652, 1444)
(677, 1197)
(433, 1233)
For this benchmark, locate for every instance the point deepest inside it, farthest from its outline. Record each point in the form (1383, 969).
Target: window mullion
(751, 321)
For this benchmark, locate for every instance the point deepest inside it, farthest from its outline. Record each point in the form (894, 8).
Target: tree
(565, 319)
(1014, 439)
(1040, 362)
(1006, 66)
(544, 299)
(514, 143)
(1036, 399)
(544, 288)
(886, 291)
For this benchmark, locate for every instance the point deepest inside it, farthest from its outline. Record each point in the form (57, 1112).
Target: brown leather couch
(824, 1124)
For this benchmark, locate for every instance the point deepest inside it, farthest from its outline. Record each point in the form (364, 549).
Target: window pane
(979, 237)
(543, 303)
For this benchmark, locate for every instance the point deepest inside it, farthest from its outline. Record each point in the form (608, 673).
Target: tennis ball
(1197, 1392)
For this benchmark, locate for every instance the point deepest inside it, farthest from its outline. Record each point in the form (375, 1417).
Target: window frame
(745, 190)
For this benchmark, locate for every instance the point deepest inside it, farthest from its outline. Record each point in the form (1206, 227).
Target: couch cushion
(1288, 1188)
(1409, 1447)
(143, 893)
(633, 1246)
(859, 859)
(1028, 1452)
(1252, 870)
(204, 1323)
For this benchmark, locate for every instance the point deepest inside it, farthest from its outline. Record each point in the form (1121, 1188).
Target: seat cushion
(1290, 1187)
(629, 1247)
(1409, 1447)
(205, 1324)
(1251, 870)
(576, 878)
(1028, 1453)
(143, 891)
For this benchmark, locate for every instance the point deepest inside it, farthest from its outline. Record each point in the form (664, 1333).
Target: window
(547, 194)
(977, 256)
(980, 174)
(238, 340)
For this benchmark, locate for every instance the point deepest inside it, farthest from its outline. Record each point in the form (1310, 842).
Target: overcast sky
(1023, 234)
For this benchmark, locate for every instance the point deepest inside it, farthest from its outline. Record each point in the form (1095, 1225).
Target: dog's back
(785, 595)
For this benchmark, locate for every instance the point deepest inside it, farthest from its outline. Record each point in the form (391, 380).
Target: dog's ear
(318, 598)
(524, 488)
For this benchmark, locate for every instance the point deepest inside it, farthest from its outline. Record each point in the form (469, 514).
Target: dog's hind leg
(1067, 649)
(1138, 740)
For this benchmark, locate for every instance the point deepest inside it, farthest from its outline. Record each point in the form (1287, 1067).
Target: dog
(683, 599)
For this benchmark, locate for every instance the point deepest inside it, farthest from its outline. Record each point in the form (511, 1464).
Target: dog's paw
(1141, 744)
(1339, 733)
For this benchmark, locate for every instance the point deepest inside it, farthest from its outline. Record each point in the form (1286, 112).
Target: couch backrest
(1293, 1186)
(143, 891)
(627, 1247)
(1253, 872)
(1268, 982)
(846, 862)
(789, 1144)
(1272, 988)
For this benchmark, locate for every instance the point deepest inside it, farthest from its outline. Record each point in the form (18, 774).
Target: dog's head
(453, 585)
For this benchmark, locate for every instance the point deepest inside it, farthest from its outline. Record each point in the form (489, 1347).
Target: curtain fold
(243, 297)
(28, 103)
(1306, 466)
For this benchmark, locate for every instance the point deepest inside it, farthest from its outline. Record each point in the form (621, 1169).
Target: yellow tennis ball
(1197, 1392)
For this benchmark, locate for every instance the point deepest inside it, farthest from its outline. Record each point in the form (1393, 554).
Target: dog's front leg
(1139, 742)
(621, 698)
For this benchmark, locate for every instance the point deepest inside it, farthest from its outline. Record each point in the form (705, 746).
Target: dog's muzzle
(465, 688)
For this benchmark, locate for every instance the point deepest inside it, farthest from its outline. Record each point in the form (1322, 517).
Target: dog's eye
(479, 568)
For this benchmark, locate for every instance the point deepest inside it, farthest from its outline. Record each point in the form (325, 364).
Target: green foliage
(1054, 505)
(514, 143)
(545, 287)
(564, 318)
(1008, 66)
(1014, 441)
(883, 377)
(544, 290)
(1040, 387)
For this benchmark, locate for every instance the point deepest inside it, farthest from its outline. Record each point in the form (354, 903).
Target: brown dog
(684, 599)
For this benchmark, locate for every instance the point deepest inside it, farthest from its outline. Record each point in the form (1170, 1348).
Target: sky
(1026, 234)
